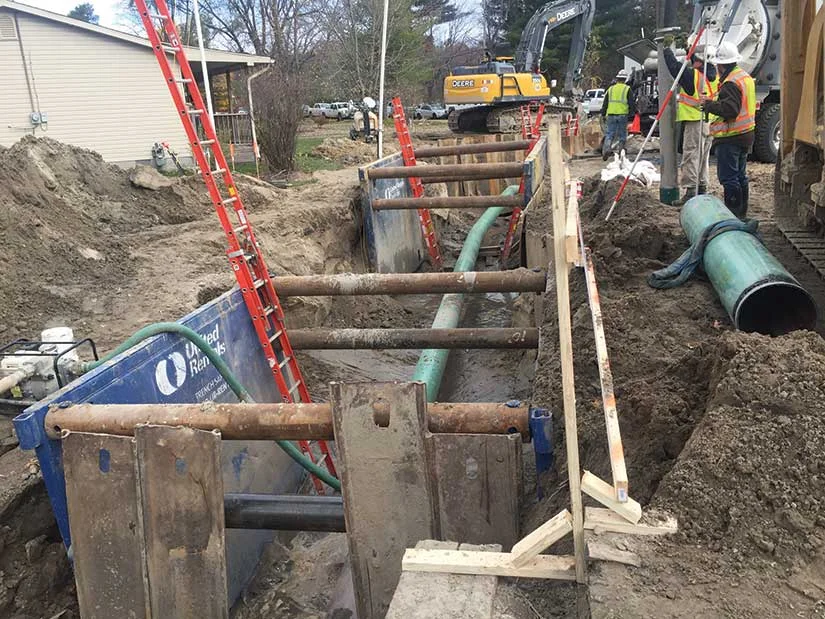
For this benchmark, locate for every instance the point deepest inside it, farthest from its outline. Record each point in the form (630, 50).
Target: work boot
(745, 197)
(690, 192)
(703, 189)
(733, 200)
(607, 151)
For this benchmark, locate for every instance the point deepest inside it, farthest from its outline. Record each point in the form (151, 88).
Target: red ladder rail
(417, 187)
(243, 250)
(529, 131)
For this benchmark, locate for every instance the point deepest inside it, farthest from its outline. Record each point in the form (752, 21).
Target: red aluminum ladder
(529, 131)
(417, 187)
(243, 250)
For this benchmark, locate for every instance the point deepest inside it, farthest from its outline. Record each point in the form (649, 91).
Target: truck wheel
(766, 140)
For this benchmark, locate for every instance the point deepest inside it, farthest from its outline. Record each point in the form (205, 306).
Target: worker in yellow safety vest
(733, 126)
(692, 86)
(618, 106)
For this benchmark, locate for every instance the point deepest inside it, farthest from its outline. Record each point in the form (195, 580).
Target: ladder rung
(295, 387)
(170, 48)
(258, 283)
(218, 171)
(269, 310)
(157, 16)
(183, 80)
(230, 200)
(240, 229)
(207, 142)
(283, 363)
(276, 335)
(194, 112)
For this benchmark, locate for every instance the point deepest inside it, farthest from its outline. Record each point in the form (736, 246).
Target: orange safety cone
(636, 125)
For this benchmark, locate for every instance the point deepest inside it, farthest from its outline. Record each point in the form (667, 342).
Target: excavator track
(495, 119)
(809, 244)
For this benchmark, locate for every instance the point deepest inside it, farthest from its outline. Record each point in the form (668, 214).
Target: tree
(84, 12)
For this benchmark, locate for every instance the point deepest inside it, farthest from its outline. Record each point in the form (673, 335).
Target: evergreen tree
(84, 12)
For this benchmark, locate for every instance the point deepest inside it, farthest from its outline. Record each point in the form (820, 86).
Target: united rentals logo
(463, 83)
(172, 372)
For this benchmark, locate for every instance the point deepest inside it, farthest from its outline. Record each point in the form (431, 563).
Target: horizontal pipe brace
(447, 202)
(290, 512)
(468, 170)
(380, 339)
(275, 421)
(426, 152)
(345, 284)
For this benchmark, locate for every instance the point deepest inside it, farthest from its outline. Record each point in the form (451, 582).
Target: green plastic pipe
(755, 289)
(430, 367)
(237, 388)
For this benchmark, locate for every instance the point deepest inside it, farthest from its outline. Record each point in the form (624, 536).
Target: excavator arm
(548, 17)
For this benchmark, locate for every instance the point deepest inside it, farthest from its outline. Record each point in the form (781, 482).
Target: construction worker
(692, 85)
(619, 104)
(732, 126)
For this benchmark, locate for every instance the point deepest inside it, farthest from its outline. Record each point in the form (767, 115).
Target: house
(91, 86)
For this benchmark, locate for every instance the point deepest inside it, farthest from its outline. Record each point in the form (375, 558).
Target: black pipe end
(775, 308)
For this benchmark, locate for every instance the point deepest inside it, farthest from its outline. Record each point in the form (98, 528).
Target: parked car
(340, 110)
(593, 100)
(430, 111)
(320, 109)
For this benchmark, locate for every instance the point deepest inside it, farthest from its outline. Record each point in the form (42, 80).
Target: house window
(7, 30)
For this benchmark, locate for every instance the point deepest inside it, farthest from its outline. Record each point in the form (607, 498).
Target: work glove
(668, 40)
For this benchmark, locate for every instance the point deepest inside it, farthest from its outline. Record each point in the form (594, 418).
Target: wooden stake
(611, 415)
(542, 538)
(596, 551)
(571, 230)
(487, 563)
(571, 438)
(604, 494)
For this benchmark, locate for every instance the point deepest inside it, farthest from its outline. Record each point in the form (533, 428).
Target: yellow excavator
(487, 97)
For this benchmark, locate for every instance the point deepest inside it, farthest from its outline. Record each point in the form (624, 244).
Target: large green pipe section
(755, 289)
(430, 367)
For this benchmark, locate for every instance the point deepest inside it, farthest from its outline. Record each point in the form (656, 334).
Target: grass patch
(306, 162)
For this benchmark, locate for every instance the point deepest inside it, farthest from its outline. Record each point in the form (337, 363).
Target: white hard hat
(621, 75)
(727, 53)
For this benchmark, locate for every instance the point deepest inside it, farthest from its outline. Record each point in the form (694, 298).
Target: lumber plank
(571, 229)
(601, 520)
(796, 25)
(542, 538)
(605, 494)
(571, 437)
(598, 551)
(611, 414)
(805, 129)
(487, 563)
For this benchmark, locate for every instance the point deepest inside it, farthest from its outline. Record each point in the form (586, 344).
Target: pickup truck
(320, 109)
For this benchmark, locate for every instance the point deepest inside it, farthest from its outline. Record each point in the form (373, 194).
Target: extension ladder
(243, 250)
(417, 187)
(529, 131)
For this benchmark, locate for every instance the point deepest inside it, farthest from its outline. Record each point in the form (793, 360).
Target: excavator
(487, 97)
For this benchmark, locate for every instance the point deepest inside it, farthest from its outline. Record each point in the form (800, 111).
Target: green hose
(223, 369)
(432, 362)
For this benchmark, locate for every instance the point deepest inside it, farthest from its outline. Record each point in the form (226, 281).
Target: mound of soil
(752, 476)
(350, 152)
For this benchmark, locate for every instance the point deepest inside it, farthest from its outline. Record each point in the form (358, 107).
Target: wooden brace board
(542, 538)
(489, 563)
(611, 415)
(603, 492)
(601, 520)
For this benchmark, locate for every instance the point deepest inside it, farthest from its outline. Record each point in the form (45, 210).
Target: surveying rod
(662, 109)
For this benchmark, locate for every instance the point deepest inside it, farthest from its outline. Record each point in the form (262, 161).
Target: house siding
(99, 93)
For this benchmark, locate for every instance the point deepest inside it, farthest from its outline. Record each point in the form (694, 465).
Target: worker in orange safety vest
(733, 126)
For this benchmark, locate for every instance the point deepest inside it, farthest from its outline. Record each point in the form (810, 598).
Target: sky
(107, 10)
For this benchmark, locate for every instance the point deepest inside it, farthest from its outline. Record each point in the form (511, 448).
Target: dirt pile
(752, 476)
(64, 218)
(350, 152)
(659, 341)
